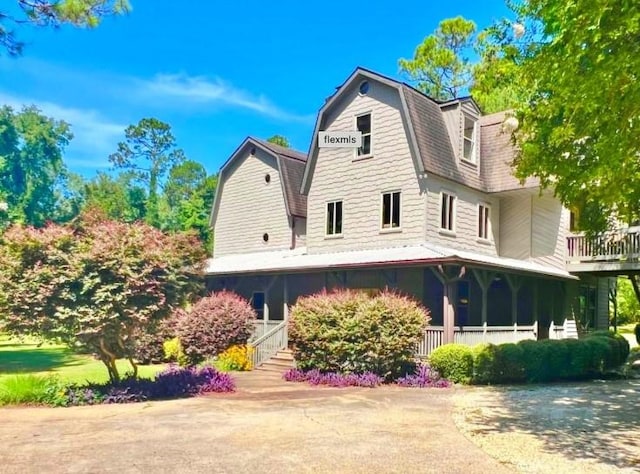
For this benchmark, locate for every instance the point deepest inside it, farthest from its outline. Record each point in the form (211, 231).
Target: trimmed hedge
(532, 361)
(352, 332)
(454, 362)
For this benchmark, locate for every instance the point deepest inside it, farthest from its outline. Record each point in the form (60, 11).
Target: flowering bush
(214, 323)
(235, 358)
(352, 332)
(173, 352)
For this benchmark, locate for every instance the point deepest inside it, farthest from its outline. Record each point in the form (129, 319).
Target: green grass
(30, 357)
(626, 328)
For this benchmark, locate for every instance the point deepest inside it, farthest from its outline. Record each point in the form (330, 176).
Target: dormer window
(469, 150)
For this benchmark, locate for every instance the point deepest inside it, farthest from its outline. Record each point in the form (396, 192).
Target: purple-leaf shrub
(215, 323)
(423, 377)
(173, 382)
(333, 379)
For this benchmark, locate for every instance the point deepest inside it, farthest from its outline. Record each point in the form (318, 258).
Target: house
(427, 204)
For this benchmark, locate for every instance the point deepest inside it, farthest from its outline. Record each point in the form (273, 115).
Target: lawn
(27, 356)
(626, 328)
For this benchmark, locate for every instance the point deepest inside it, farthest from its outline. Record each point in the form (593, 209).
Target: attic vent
(253, 151)
(364, 88)
(267, 178)
(265, 237)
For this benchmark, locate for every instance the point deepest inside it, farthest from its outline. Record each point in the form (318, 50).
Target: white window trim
(474, 148)
(386, 230)
(355, 127)
(454, 214)
(326, 219)
(489, 229)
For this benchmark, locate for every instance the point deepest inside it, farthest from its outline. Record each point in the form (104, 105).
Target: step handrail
(269, 344)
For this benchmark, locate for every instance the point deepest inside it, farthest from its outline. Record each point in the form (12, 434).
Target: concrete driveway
(267, 426)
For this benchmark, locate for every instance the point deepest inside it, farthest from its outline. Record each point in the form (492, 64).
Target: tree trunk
(109, 359)
(134, 366)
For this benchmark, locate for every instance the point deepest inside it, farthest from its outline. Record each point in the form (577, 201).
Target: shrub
(454, 362)
(235, 358)
(213, 324)
(149, 343)
(423, 377)
(498, 363)
(173, 352)
(333, 379)
(352, 332)
(32, 389)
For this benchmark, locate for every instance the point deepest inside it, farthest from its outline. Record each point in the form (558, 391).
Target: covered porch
(470, 300)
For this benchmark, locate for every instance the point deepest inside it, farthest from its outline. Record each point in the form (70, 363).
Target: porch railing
(267, 345)
(472, 335)
(263, 327)
(622, 244)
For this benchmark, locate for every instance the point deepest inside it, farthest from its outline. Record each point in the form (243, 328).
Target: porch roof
(298, 260)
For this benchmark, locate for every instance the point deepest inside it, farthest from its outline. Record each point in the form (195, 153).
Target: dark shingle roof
(498, 152)
(291, 163)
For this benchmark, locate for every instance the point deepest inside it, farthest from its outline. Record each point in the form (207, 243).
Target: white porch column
(285, 286)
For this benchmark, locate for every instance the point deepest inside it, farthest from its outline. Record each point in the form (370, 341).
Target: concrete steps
(281, 362)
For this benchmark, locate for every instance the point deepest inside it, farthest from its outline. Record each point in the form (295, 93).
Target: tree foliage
(31, 164)
(580, 126)
(441, 64)
(279, 140)
(627, 302)
(149, 152)
(53, 13)
(95, 284)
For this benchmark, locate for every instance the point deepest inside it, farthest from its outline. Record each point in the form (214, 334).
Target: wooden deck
(611, 252)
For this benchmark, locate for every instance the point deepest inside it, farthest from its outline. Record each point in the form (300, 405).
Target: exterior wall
(549, 221)
(515, 226)
(453, 121)
(249, 207)
(300, 231)
(533, 228)
(359, 183)
(466, 218)
(602, 317)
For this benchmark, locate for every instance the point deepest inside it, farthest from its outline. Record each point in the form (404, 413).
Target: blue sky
(215, 71)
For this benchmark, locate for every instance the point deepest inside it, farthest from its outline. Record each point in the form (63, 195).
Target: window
(364, 88)
(588, 301)
(265, 238)
(257, 302)
(334, 218)
(469, 150)
(267, 178)
(363, 124)
(447, 211)
(483, 221)
(391, 210)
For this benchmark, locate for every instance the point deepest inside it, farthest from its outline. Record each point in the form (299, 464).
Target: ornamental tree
(94, 284)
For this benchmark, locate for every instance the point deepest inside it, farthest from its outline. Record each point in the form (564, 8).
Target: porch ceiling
(298, 260)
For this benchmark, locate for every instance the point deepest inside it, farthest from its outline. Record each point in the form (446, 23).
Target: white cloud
(200, 90)
(95, 136)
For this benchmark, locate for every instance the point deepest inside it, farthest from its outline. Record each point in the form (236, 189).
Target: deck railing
(267, 345)
(472, 335)
(623, 244)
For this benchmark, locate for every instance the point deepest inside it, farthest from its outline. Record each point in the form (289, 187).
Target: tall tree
(149, 152)
(31, 164)
(279, 140)
(580, 126)
(441, 64)
(188, 195)
(118, 198)
(53, 13)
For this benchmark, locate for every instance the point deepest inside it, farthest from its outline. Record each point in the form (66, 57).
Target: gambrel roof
(430, 142)
(291, 164)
